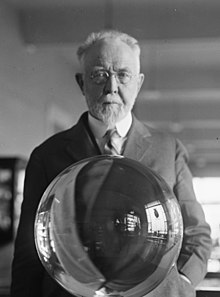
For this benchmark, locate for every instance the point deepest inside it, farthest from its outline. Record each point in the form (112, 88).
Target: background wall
(38, 93)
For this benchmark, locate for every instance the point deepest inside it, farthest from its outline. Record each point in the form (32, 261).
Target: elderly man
(110, 81)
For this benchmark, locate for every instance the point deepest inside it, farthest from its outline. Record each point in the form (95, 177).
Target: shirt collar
(99, 129)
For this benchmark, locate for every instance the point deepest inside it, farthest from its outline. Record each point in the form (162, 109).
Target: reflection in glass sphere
(108, 226)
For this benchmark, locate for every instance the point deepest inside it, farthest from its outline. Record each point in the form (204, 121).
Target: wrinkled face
(111, 80)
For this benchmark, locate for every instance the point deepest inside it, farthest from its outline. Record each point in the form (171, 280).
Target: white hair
(107, 34)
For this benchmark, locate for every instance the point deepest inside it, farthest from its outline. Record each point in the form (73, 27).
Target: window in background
(207, 190)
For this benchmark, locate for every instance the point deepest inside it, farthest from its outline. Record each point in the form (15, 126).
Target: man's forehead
(110, 51)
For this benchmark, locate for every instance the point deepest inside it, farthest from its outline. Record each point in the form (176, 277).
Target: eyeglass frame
(108, 74)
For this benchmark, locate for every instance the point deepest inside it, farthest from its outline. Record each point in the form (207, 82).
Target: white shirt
(99, 129)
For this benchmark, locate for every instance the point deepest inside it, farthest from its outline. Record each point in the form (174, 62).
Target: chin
(109, 114)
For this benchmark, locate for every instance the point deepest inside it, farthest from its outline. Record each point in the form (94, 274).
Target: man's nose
(111, 86)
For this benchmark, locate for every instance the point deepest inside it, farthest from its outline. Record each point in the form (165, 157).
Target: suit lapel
(138, 141)
(81, 142)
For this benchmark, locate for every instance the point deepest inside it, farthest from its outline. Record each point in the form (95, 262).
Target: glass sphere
(108, 226)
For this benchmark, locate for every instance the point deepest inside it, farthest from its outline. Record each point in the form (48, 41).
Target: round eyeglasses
(101, 77)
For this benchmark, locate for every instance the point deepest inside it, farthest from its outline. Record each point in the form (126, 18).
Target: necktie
(113, 143)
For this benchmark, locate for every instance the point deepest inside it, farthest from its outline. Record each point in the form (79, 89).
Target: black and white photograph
(109, 148)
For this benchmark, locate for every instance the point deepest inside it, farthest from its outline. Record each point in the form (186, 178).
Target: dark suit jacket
(157, 150)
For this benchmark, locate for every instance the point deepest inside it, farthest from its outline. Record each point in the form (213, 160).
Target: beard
(108, 113)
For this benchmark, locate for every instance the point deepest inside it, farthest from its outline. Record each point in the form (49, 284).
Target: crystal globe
(108, 226)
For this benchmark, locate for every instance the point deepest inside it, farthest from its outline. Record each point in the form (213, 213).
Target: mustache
(110, 100)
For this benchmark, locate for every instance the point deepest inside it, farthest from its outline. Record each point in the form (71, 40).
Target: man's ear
(80, 81)
(140, 81)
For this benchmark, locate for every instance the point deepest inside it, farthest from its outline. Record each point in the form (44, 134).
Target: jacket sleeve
(197, 243)
(27, 270)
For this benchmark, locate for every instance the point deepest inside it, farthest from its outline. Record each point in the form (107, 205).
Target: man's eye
(123, 75)
(100, 74)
